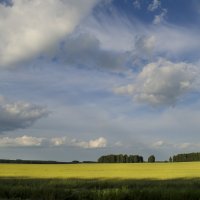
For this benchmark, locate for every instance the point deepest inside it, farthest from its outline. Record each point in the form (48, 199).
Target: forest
(186, 157)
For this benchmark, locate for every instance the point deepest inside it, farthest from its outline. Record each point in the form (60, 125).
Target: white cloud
(91, 144)
(114, 33)
(160, 18)
(192, 146)
(175, 146)
(185, 145)
(30, 141)
(176, 41)
(15, 115)
(21, 141)
(145, 45)
(159, 143)
(58, 141)
(161, 83)
(118, 33)
(98, 143)
(31, 27)
(154, 5)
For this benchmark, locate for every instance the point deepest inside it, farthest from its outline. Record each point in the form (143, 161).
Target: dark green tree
(186, 157)
(120, 159)
(125, 159)
(151, 159)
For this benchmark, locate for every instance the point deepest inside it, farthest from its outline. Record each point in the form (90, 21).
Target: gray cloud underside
(84, 50)
(15, 115)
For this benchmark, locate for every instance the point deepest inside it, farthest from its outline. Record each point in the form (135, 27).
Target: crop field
(103, 171)
(100, 181)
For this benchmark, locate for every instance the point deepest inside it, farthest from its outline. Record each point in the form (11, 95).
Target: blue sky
(79, 79)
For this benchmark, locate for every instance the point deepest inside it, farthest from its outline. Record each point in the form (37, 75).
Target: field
(100, 181)
(103, 171)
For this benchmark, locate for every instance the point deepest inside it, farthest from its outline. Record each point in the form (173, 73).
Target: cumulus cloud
(154, 5)
(23, 141)
(29, 141)
(15, 115)
(161, 83)
(91, 144)
(32, 27)
(98, 143)
(84, 50)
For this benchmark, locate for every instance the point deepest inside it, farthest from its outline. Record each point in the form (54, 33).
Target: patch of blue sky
(182, 12)
(6, 2)
(127, 9)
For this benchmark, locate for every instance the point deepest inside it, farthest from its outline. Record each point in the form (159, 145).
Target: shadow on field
(99, 189)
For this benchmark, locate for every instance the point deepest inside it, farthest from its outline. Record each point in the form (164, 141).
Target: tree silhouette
(151, 159)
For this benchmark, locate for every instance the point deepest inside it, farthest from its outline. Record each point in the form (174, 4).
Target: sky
(80, 79)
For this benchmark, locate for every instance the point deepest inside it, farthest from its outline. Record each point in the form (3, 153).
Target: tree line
(113, 158)
(186, 157)
(120, 158)
(19, 161)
